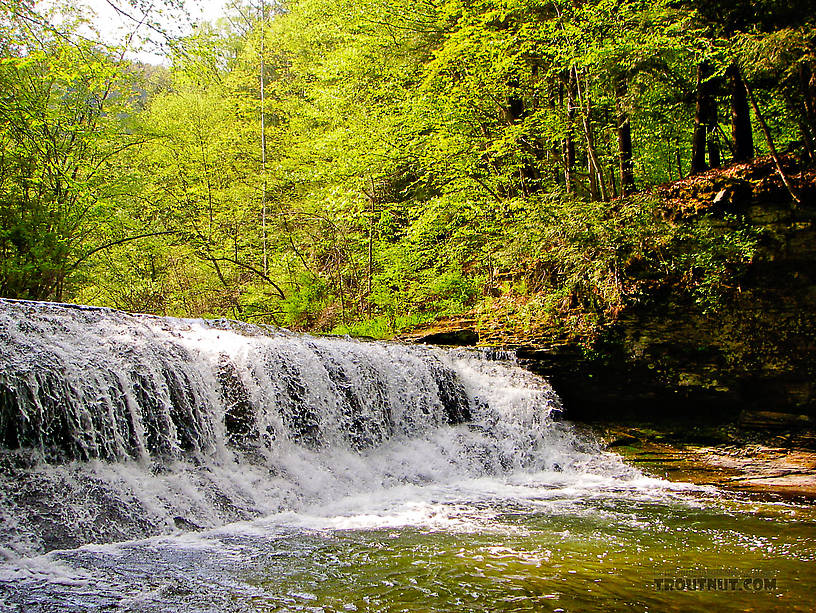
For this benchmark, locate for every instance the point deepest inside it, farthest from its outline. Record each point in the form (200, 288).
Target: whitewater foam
(119, 427)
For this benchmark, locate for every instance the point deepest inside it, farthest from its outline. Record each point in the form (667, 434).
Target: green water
(607, 555)
(484, 546)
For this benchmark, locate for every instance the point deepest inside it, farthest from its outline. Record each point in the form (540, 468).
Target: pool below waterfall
(157, 464)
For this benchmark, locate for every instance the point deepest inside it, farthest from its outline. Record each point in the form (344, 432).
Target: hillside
(735, 338)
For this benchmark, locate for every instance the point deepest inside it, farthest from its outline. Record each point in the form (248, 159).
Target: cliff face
(755, 353)
(668, 356)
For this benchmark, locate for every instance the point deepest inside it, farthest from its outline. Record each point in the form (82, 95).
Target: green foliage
(571, 266)
(382, 327)
(361, 168)
(62, 103)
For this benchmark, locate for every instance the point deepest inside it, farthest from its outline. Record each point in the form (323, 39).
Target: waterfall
(116, 426)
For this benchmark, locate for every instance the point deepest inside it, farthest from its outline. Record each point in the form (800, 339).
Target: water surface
(543, 542)
(152, 464)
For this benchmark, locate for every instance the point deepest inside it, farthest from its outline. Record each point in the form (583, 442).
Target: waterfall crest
(115, 426)
(80, 383)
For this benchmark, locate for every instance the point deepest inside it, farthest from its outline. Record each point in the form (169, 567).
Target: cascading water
(165, 465)
(117, 426)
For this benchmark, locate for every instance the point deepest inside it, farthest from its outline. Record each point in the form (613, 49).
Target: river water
(154, 464)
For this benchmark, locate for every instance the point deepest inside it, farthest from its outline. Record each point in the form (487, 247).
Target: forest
(365, 167)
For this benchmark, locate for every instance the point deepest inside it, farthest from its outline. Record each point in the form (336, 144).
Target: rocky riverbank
(778, 465)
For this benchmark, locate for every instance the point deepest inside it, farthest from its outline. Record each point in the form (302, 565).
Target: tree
(61, 104)
(378, 162)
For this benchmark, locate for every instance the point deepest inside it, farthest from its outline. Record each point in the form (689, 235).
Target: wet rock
(621, 440)
(757, 469)
(185, 524)
(462, 338)
(774, 420)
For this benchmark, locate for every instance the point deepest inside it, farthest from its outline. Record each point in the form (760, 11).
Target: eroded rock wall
(672, 357)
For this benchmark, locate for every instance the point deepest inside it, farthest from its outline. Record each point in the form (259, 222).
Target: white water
(156, 465)
(117, 427)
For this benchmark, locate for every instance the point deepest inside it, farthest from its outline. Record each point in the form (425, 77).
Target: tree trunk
(569, 144)
(515, 104)
(698, 163)
(713, 138)
(559, 148)
(594, 194)
(742, 136)
(810, 142)
(705, 121)
(594, 165)
(373, 200)
(807, 85)
(613, 187)
(516, 112)
(771, 147)
(627, 173)
(807, 79)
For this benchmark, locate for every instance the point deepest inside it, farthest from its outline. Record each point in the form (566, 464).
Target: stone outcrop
(755, 354)
(776, 468)
(668, 356)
